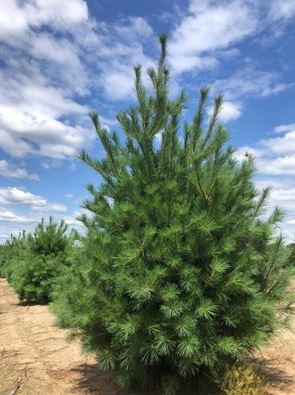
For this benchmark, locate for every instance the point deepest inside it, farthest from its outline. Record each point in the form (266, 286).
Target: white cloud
(275, 162)
(44, 72)
(121, 46)
(249, 83)
(10, 216)
(118, 84)
(284, 165)
(134, 26)
(58, 14)
(281, 145)
(282, 9)
(17, 196)
(10, 171)
(240, 153)
(11, 12)
(229, 111)
(16, 17)
(208, 27)
(269, 159)
(30, 110)
(39, 134)
(12, 222)
(62, 58)
(285, 128)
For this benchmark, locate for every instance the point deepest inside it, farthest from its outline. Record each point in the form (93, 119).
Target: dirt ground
(35, 357)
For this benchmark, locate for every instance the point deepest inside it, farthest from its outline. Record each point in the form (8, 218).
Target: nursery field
(35, 357)
(176, 279)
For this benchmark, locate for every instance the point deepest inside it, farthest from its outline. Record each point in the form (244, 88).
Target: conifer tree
(11, 250)
(291, 248)
(35, 261)
(179, 273)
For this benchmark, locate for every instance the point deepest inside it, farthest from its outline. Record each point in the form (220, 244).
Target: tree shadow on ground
(94, 381)
(26, 303)
(274, 376)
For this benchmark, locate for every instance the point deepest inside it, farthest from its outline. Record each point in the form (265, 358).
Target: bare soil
(35, 357)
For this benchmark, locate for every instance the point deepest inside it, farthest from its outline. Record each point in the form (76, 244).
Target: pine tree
(11, 250)
(291, 248)
(35, 261)
(179, 273)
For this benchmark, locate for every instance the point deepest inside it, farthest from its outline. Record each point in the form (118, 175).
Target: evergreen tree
(12, 249)
(292, 253)
(179, 274)
(37, 260)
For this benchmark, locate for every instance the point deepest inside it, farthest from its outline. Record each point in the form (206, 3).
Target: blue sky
(61, 59)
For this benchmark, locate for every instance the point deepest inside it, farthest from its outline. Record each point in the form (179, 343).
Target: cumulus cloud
(274, 156)
(10, 171)
(35, 13)
(10, 11)
(13, 222)
(48, 62)
(32, 109)
(209, 26)
(39, 134)
(209, 31)
(275, 162)
(250, 83)
(229, 111)
(282, 9)
(121, 46)
(281, 145)
(17, 196)
(63, 58)
(10, 216)
(61, 15)
(285, 128)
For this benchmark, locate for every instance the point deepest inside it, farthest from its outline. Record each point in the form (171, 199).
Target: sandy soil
(35, 357)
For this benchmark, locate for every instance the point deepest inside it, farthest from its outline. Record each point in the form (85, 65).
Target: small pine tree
(37, 260)
(13, 248)
(291, 248)
(178, 274)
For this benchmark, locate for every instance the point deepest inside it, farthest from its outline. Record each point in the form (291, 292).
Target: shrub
(243, 379)
(179, 274)
(291, 248)
(35, 268)
(12, 249)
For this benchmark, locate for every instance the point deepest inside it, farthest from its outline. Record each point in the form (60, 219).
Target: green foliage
(179, 273)
(12, 249)
(34, 262)
(292, 253)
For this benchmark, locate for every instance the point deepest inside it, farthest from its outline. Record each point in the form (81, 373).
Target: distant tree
(292, 253)
(11, 249)
(37, 260)
(179, 274)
